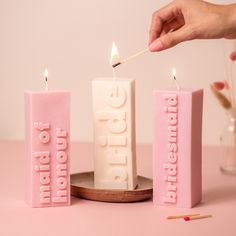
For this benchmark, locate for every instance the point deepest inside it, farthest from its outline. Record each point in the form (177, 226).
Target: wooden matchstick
(130, 58)
(188, 218)
(181, 216)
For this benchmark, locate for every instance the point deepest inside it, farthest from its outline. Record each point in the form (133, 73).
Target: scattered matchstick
(130, 58)
(181, 216)
(188, 218)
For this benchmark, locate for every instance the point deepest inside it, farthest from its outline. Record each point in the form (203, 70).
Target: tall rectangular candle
(47, 137)
(177, 147)
(114, 133)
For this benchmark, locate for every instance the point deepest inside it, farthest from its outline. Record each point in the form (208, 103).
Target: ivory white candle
(114, 133)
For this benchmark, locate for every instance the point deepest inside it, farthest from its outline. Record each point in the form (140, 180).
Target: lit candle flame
(114, 54)
(46, 79)
(174, 73)
(114, 58)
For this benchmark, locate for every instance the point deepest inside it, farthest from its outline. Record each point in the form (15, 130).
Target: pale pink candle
(177, 147)
(47, 135)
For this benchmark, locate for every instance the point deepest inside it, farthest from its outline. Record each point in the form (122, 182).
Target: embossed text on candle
(171, 165)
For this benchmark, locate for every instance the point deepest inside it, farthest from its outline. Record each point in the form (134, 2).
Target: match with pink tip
(47, 124)
(197, 217)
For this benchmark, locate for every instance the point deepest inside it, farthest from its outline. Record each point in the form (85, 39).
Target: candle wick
(46, 83)
(114, 73)
(176, 83)
(46, 79)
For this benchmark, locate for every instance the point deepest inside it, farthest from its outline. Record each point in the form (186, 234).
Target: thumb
(170, 40)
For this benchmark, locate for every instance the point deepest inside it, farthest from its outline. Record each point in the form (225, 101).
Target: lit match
(130, 58)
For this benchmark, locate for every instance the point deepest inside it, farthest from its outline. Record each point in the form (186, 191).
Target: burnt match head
(116, 64)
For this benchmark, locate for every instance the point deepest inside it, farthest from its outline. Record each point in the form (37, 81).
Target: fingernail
(233, 56)
(156, 46)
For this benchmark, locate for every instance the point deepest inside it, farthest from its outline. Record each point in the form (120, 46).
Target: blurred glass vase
(224, 92)
(228, 142)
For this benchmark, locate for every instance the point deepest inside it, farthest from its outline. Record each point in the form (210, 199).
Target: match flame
(174, 72)
(114, 54)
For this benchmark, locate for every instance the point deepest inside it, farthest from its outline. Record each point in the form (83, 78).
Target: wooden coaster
(82, 186)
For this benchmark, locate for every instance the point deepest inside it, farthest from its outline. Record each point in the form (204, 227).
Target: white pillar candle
(114, 133)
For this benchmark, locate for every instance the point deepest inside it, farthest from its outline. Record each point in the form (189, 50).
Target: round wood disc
(82, 186)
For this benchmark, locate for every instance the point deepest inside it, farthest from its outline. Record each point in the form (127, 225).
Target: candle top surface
(107, 79)
(181, 90)
(45, 91)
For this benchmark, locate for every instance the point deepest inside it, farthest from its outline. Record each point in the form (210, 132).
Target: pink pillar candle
(177, 147)
(47, 131)
(114, 134)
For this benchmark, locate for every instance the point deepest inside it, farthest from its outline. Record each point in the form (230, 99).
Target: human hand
(184, 20)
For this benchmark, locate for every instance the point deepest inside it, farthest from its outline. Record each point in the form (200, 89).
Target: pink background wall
(73, 40)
